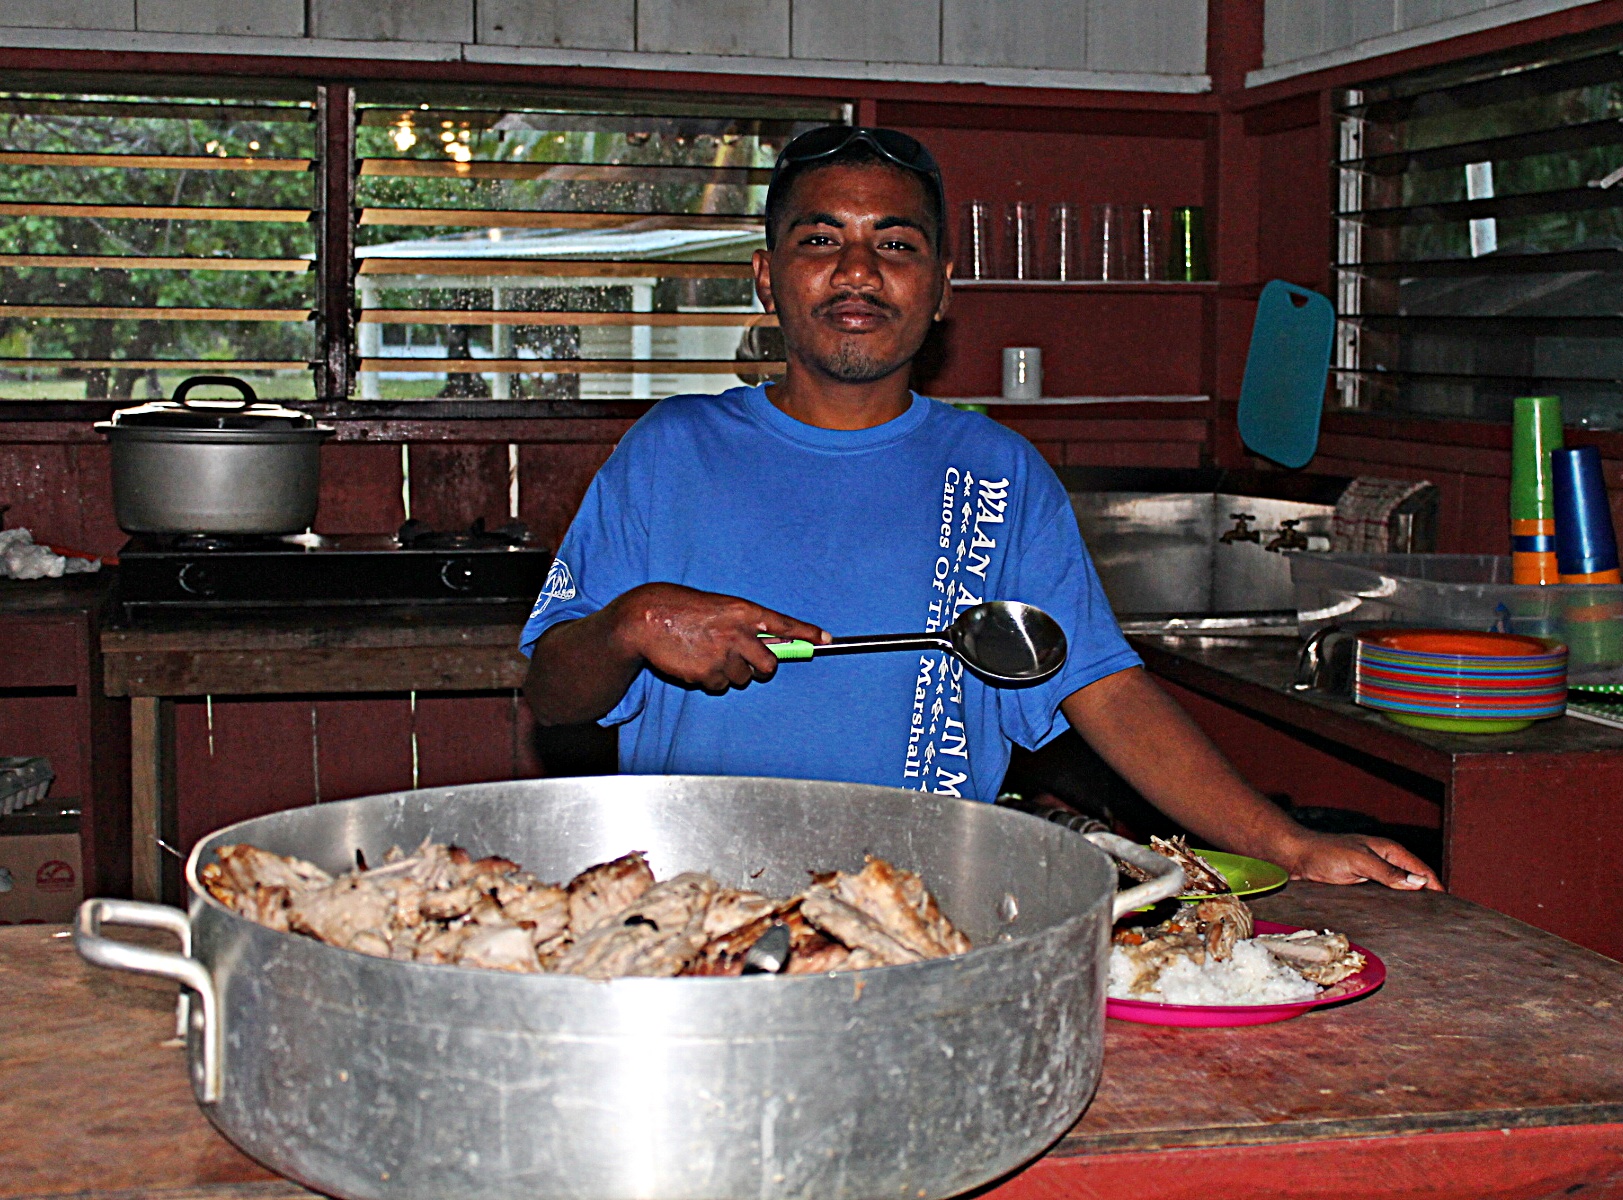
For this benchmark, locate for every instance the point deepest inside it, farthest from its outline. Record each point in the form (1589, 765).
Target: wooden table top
(77, 593)
(452, 647)
(1484, 1024)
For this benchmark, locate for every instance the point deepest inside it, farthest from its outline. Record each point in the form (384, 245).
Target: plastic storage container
(1463, 591)
(23, 781)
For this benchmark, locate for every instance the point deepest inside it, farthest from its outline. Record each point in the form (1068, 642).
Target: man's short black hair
(856, 153)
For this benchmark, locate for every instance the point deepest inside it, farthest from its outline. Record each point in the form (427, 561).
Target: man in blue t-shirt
(837, 499)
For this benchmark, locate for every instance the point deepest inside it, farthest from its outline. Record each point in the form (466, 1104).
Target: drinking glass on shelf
(1187, 260)
(1064, 260)
(1107, 249)
(975, 244)
(1146, 245)
(1019, 241)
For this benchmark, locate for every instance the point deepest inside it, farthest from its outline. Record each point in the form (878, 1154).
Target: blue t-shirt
(893, 529)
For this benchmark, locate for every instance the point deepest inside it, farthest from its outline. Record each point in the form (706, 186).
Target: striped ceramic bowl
(1460, 681)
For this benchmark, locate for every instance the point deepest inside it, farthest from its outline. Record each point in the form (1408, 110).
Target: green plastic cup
(1535, 430)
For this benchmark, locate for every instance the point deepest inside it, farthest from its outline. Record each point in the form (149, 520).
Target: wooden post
(150, 721)
(335, 218)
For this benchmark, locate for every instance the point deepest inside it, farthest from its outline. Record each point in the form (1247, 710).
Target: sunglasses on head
(828, 140)
(889, 144)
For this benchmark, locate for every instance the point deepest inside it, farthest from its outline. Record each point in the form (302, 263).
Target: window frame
(336, 164)
(1518, 73)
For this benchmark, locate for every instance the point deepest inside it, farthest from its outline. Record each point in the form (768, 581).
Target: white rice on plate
(1251, 976)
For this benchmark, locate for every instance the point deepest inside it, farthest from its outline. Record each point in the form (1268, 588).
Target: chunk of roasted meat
(441, 905)
(658, 935)
(1200, 878)
(1323, 958)
(599, 892)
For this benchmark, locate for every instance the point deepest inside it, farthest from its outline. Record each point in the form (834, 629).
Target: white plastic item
(22, 558)
(1022, 373)
(24, 781)
(1462, 591)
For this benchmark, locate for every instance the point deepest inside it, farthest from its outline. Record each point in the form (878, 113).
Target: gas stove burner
(210, 543)
(416, 535)
(419, 566)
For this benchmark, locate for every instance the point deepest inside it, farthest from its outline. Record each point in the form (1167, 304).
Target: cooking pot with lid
(214, 466)
(370, 1078)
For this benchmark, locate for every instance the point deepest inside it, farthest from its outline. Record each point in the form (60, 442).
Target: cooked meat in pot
(439, 905)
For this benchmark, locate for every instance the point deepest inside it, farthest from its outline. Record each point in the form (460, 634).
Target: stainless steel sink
(1157, 539)
(1257, 624)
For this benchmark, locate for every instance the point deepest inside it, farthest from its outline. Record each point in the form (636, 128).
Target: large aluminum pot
(367, 1078)
(210, 466)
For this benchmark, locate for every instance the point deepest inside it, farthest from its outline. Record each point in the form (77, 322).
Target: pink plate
(1149, 1012)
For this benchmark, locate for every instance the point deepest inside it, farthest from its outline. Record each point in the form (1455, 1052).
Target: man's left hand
(1359, 858)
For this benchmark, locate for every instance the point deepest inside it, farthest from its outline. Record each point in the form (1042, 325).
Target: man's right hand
(703, 639)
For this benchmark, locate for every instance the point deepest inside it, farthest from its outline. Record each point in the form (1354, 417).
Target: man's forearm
(579, 670)
(1152, 743)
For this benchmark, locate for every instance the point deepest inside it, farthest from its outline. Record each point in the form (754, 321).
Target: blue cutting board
(1282, 397)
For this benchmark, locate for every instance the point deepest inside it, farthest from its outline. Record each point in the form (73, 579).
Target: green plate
(1460, 724)
(1247, 876)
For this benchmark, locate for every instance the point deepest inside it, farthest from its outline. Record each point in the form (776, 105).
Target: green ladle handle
(789, 650)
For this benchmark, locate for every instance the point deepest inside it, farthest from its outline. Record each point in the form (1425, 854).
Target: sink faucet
(1242, 531)
(1288, 538)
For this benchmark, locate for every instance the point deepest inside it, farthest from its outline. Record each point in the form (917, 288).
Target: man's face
(854, 278)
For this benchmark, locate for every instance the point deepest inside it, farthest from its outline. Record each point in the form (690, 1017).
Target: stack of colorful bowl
(1461, 682)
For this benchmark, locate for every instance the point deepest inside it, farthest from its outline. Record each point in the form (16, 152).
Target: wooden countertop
(453, 647)
(1256, 673)
(78, 593)
(1485, 1025)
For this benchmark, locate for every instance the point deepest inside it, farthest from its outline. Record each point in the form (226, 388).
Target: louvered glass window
(1480, 237)
(515, 248)
(147, 237)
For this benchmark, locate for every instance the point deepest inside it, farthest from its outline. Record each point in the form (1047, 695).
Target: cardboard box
(39, 859)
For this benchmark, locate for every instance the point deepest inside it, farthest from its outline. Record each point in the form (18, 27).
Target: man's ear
(946, 290)
(761, 261)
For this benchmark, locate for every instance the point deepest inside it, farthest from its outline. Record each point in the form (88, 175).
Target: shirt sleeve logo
(560, 585)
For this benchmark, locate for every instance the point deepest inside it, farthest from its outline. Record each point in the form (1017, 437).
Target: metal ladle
(1003, 641)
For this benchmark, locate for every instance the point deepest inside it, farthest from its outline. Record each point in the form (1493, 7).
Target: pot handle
(185, 970)
(197, 381)
(1168, 879)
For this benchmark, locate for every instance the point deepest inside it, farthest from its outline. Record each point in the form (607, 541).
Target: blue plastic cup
(1585, 542)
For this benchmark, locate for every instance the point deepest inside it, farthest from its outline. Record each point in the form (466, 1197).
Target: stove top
(416, 565)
